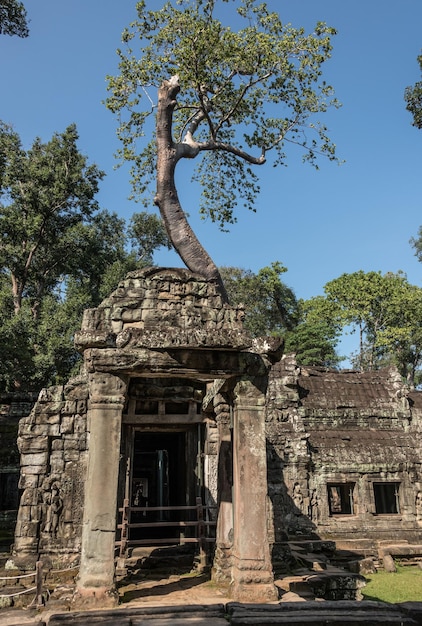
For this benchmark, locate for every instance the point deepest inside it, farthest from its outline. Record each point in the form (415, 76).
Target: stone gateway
(182, 428)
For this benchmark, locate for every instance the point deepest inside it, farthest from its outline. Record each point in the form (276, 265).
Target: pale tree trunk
(17, 289)
(169, 153)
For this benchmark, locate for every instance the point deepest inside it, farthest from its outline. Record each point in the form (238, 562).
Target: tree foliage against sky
(234, 95)
(47, 195)
(13, 18)
(315, 337)
(59, 254)
(386, 311)
(271, 308)
(413, 98)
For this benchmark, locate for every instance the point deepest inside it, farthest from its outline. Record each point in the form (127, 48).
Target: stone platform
(236, 614)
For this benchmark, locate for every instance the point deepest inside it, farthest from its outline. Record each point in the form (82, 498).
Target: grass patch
(405, 585)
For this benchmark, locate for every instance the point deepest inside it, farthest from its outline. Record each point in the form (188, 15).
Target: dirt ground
(175, 590)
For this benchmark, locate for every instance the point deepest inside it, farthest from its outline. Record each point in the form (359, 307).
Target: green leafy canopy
(13, 19)
(244, 94)
(59, 254)
(387, 312)
(413, 98)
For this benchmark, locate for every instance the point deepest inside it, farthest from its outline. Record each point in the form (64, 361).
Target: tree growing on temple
(190, 87)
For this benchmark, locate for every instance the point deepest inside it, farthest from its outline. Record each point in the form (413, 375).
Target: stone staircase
(319, 574)
(326, 614)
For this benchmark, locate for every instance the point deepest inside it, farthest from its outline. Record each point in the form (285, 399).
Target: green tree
(315, 337)
(59, 254)
(270, 306)
(357, 300)
(47, 193)
(417, 244)
(413, 98)
(234, 98)
(402, 335)
(386, 311)
(13, 18)
(147, 233)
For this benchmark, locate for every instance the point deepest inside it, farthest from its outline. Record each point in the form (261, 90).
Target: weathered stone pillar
(96, 575)
(252, 577)
(221, 572)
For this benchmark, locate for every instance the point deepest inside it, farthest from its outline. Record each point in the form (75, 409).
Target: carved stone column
(96, 575)
(252, 577)
(221, 572)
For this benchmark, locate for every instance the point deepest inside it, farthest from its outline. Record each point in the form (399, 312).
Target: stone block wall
(159, 307)
(53, 444)
(350, 436)
(13, 406)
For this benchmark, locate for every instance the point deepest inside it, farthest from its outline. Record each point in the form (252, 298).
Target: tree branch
(227, 147)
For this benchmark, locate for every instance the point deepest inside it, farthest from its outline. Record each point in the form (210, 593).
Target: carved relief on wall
(52, 508)
(418, 506)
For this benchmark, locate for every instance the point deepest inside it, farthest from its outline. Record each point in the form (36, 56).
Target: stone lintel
(161, 420)
(205, 365)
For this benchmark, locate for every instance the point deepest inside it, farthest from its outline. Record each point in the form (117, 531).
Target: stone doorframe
(114, 351)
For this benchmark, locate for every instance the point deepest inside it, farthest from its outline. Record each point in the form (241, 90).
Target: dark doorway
(9, 491)
(159, 468)
(164, 475)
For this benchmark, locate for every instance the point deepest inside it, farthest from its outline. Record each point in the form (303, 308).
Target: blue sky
(320, 224)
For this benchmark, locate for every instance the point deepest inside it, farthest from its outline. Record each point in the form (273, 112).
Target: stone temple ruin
(179, 411)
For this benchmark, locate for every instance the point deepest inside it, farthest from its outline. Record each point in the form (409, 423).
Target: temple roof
(346, 389)
(371, 446)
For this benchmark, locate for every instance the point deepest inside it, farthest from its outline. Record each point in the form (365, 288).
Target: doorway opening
(163, 481)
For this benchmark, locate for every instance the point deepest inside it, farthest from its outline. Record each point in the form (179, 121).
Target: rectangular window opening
(387, 498)
(340, 498)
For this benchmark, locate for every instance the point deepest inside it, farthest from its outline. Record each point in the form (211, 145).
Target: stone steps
(313, 561)
(323, 614)
(341, 613)
(195, 615)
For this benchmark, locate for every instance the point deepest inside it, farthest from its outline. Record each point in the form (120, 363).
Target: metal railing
(201, 526)
(40, 585)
